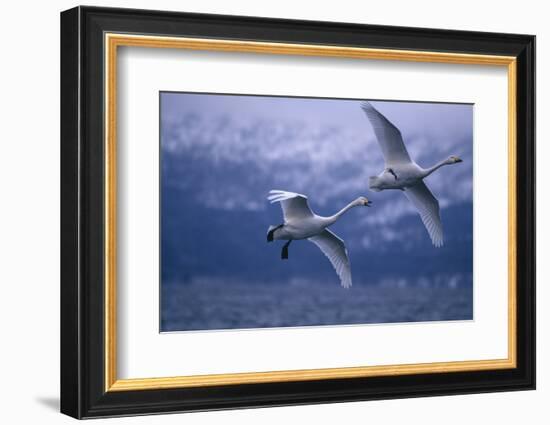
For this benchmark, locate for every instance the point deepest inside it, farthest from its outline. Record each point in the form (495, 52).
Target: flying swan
(403, 173)
(302, 223)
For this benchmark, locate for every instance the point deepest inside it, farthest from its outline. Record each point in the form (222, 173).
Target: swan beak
(367, 203)
(457, 159)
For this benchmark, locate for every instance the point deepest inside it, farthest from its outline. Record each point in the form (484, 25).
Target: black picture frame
(83, 392)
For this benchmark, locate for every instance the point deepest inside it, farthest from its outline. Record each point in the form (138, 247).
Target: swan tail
(271, 233)
(373, 183)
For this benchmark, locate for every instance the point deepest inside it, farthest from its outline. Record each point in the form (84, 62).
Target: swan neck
(333, 218)
(430, 170)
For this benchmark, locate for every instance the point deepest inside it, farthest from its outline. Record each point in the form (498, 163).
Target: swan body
(300, 222)
(387, 179)
(402, 173)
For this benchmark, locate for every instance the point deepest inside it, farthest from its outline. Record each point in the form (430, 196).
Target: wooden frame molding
(114, 40)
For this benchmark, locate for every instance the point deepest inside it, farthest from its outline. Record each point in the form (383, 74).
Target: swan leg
(271, 232)
(284, 252)
(392, 173)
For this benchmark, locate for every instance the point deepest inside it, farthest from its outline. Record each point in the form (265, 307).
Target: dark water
(215, 305)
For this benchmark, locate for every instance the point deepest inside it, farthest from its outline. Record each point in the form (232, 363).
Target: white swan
(302, 223)
(403, 173)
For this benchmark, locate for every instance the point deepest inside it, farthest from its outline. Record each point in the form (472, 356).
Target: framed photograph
(261, 212)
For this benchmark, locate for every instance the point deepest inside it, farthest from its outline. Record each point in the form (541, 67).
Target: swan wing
(335, 250)
(388, 136)
(428, 208)
(294, 205)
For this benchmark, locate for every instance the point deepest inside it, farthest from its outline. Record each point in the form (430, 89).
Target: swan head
(363, 201)
(453, 160)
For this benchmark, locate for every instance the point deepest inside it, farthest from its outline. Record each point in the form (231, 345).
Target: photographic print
(289, 211)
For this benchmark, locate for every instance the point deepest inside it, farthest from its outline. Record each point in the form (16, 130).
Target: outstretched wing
(294, 205)
(388, 136)
(335, 250)
(428, 208)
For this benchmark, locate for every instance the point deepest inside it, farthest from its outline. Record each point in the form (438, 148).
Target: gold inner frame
(113, 41)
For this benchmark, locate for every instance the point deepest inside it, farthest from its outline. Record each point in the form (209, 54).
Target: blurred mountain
(200, 242)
